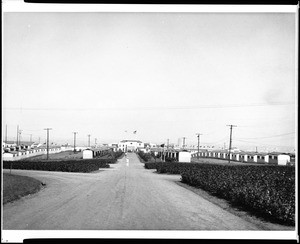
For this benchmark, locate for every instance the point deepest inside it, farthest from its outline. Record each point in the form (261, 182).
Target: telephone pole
(89, 136)
(20, 132)
(75, 141)
(230, 141)
(183, 142)
(17, 135)
(6, 134)
(48, 141)
(167, 143)
(198, 135)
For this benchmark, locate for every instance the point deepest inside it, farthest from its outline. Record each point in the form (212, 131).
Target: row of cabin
(90, 153)
(18, 153)
(179, 155)
(249, 157)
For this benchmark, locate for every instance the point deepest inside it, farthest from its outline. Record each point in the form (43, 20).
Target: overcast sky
(166, 75)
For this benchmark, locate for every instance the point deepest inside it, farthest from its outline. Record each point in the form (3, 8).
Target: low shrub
(171, 168)
(144, 156)
(85, 165)
(118, 154)
(170, 159)
(267, 191)
(150, 165)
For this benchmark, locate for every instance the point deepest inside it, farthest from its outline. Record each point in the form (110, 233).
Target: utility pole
(20, 132)
(198, 135)
(163, 155)
(167, 143)
(89, 136)
(230, 141)
(39, 140)
(75, 141)
(48, 141)
(183, 142)
(6, 134)
(17, 135)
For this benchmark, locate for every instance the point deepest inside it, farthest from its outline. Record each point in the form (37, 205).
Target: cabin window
(275, 157)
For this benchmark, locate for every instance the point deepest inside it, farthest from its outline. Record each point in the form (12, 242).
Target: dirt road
(123, 197)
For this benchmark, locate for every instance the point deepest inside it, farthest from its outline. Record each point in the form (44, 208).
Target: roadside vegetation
(84, 165)
(112, 155)
(17, 186)
(65, 165)
(266, 191)
(148, 157)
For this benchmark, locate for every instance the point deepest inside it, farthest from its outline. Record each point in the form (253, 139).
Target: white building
(87, 154)
(184, 157)
(130, 145)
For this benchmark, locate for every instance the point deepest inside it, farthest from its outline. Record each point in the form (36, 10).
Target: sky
(164, 75)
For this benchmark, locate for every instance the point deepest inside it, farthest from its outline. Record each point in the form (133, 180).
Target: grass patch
(17, 186)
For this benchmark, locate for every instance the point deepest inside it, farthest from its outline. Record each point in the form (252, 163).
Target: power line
(263, 144)
(158, 108)
(268, 136)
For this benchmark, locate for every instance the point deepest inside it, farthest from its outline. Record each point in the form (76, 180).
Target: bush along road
(266, 191)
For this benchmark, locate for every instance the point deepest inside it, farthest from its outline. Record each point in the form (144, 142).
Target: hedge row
(118, 154)
(112, 156)
(144, 156)
(266, 191)
(166, 167)
(151, 165)
(171, 168)
(85, 165)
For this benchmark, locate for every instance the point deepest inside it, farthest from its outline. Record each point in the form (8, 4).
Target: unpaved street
(123, 197)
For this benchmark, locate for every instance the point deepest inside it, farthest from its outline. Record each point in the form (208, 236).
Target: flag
(134, 132)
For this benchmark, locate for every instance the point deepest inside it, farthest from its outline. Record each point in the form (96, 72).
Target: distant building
(130, 145)
(9, 144)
